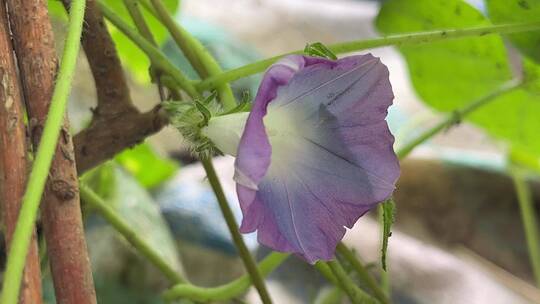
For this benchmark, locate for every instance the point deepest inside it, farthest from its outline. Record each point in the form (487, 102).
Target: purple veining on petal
(331, 158)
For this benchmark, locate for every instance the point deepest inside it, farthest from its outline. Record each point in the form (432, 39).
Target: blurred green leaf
(146, 165)
(448, 75)
(140, 210)
(135, 205)
(505, 11)
(525, 159)
(101, 179)
(57, 10)
(133, 58)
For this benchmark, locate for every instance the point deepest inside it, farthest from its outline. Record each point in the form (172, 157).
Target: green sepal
(318, 49)
(204, 111)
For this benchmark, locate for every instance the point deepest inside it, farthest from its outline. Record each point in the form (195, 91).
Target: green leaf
(146, 165)
(447, 74)
(137, 207)
(388, 208)
(515, 115)
(508, 11)
(450, 74)
(56, 10)
(101, 179)
(133, 58)
(525, 159)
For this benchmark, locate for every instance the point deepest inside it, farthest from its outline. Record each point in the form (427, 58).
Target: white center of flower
(225, 131)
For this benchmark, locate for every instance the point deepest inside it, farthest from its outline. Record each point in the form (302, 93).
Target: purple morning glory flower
(315, 152)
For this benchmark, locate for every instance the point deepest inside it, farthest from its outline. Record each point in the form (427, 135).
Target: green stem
(356, 295)
(149, 8)
(199, 57)
(457, 116)
(362, 273)
(120, 225)
(156, 56)
(323, 268)
(528, 216)
(138, 19)
(385, 274)
(328, 272)
(42, 162)
(335, 295)
(249, 263)
(347, 47)
(227, 291)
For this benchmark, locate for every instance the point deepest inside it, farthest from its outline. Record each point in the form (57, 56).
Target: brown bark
(116, 123)
(61, 214)
(105, 138)
(14, 160)
(112, 90)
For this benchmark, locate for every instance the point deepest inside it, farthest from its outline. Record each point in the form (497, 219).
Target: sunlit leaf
(450, 74)
(506, 11)
(57, 10)
(447, 74)
(146, 165)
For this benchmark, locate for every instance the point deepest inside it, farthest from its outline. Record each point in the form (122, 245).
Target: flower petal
(321, 157)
